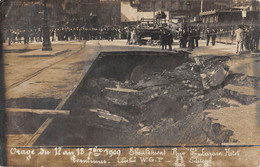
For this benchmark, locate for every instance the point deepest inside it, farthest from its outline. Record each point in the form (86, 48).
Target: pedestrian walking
(9, 36)
(128, 37)
(214, 36)
(183, 38)
(191, 38)
(163, 39)
(19, 36)
(170, 40)
(239, 38)
(208, 34)
(197, 35)
(26, 37)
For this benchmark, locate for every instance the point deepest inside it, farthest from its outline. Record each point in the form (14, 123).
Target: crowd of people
(189, 36)
(247, 37)
(65, 34)
(166, 39)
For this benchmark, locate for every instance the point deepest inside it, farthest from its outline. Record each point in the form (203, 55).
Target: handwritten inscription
(122, 156)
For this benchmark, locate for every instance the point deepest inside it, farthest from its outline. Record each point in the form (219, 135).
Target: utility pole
(201, 6)
(45, 28)
(188, 3)
(154, 12)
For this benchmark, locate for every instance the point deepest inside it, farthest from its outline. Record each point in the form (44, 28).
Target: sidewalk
(38, 76)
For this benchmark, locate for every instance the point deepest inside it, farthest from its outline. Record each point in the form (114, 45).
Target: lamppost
(201, 6)
(190, 37)
(45, 28)
(153, 2)
(188, 3)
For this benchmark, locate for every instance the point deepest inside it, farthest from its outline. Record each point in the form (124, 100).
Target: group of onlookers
(106, 33)
(189, 35)
(65, 34)
(166, 39)
(24, 36)
(247, 38)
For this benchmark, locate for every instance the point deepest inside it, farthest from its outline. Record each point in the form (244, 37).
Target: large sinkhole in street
(134, 98)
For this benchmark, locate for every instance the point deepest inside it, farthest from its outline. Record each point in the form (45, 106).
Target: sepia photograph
(169, 83)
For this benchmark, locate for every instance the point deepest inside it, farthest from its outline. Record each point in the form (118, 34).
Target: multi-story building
(135, 10)
(208, 5)
(232, 14)
(109, 12)
(62, 13)
(249, 5)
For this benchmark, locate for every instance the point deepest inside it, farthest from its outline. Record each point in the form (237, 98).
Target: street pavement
(53, 77)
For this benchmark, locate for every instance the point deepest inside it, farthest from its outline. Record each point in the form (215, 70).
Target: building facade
(135, 10)
(28, 14)
(244, 12)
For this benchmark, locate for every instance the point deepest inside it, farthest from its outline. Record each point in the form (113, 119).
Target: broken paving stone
(170, 120)
(194, 100)
(108, 116)
(144, 130)
(165, 92)
(203, 76)
(141, 125)
(205, 85)
(117, 101)
(189, 90)
(190, 86)
(119, 89)
(218, 76)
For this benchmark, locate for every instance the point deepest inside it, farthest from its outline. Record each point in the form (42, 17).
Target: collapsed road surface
(153, 98)
(148, 98)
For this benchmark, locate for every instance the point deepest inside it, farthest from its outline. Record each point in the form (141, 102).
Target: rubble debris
(165, 104)
(145, 130)
(107, 115)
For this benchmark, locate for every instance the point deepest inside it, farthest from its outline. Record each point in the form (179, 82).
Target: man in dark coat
(214, 36)
(197, 35)
(163, 39)
(170, 40)
(26, 36)
(9, 36)
(208, 34)
(183, 37)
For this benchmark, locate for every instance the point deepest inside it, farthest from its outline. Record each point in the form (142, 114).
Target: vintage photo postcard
(170, 83)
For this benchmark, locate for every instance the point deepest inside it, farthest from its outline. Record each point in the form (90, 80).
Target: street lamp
(188, 3)
(191, 40)
(46, 34)
(153, 2)
(201, 6)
